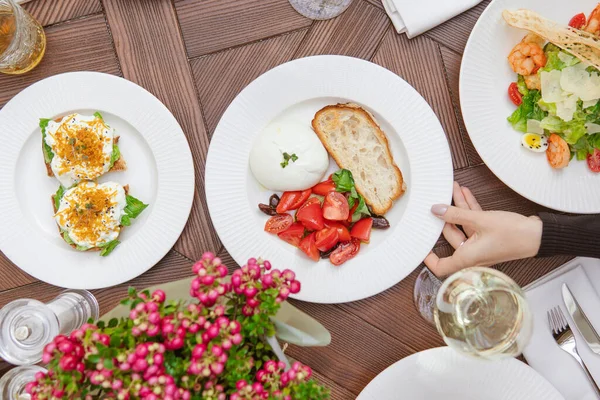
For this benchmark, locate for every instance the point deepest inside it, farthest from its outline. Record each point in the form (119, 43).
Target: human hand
(489, 237)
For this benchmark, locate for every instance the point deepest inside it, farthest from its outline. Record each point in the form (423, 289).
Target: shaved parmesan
(566, 108)
(591, 127)
(567, 59)
(578, 81)
(588, 104)
(533, 126)
(551, 86)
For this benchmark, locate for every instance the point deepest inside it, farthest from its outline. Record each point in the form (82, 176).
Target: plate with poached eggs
(315, 155)
(106, 193)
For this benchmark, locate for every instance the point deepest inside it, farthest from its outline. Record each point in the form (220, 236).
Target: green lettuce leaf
(48, 154)
(58, 196)
(125, 220)
(522, 86)
(107, 248)
(116, 154)
(553, 60)
(98, 115)
(529, 109)
(134, 207)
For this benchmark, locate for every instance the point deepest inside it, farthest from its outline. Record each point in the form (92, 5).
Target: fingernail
(439, 209)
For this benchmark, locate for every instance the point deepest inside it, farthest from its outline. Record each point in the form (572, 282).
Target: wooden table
(195, 56)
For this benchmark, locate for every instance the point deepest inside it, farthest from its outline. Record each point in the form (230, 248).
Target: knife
(581, 321)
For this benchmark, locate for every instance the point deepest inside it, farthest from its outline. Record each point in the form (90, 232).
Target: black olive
(380, 222)
(267, 209)
(274, 200)
(325, 254)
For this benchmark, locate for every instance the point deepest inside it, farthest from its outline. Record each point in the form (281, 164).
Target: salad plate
(485, 77)
(443, 373)
(295, 91)
(159, 170)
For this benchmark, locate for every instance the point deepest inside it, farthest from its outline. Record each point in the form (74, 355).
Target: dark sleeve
(570, 235)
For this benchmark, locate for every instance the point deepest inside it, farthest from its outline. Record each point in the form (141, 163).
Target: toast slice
(119, 165)
(73, 245)
(357, 143)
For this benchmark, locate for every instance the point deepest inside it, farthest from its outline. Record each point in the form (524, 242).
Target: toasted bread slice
(119, 165)
(357, 143)
(125, 187)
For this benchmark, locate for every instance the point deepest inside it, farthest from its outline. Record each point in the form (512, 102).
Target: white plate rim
(228, 207)
(564, 190)
(166, 218)
(540, 388)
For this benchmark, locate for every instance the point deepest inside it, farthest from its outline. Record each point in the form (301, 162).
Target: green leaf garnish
(58, 196)
(115, 155)
(67, 238)
(125, 220)
(287, 158)
(344, 182)
(107, 248)
(98, 115)
(134, 207)
(48, 154)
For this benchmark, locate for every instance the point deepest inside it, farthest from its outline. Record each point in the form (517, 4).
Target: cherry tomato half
(514, 94)
(293, 234)
(323, 188)
(310, 214)
(279, 223)
(578, 21)
(335, 207)
(345, 252)
(343, 233)
(292, 200)
(593, 161)
(308, 246)
(326, 239)
(362, 229)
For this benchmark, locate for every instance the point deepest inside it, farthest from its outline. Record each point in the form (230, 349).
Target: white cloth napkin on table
(582, 275)
(414, 17)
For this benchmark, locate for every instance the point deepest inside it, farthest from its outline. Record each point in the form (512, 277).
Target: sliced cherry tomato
(578, 21)
(293, 234)
(310, 214)
(351, 213)
(308, 246)
(558, 153)
(326, 238)
(343, 233)
(324, 187)
(514, 94)
(344, 252)
(593, 161)
(362, 229)
(292, 200)
(278, 223)
(335, 207)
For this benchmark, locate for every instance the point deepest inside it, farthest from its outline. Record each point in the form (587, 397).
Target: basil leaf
(343, 180)
(107, 248)
(114, 157)
(134, 207)
(58, 196)
(98, 115)
(48, 154)
(125, 220)
(361, 210)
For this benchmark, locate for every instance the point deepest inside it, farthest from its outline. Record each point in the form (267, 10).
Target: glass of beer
(320, 9)
(22, 39)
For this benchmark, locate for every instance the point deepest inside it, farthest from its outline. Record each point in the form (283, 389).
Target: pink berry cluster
(147, 359)
(69, 352)
(43, 388)
(146, 316)
(210, 282)
(213, 391)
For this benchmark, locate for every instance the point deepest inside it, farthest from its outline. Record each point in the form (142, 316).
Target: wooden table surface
(196, 56)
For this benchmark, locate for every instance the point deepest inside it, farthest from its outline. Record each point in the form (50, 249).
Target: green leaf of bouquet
(113, 322)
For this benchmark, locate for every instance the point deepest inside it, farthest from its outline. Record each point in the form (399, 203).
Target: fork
(563, 335)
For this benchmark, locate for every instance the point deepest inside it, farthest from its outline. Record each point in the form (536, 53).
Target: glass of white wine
(320, 9)
(483, 313)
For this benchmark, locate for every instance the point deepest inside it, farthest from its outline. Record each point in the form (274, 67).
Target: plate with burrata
(328, 166)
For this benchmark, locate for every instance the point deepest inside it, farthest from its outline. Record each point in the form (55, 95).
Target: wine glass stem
(425, 291)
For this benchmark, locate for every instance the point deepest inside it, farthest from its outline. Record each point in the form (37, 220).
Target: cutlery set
(563, 334)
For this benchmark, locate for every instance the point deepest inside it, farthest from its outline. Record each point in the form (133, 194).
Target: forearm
(570, 235)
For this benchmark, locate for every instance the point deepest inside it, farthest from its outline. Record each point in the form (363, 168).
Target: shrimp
(533, 82)
(527, 56)
(593, 23)
(558, 153)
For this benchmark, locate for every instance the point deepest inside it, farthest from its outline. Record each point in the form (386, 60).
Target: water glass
(22, 39)
(320, 9)
(27, 325)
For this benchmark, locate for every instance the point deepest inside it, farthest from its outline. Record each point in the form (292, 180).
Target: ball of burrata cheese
(288, 155)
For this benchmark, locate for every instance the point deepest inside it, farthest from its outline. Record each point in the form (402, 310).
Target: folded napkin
(414, 17)
(582, 275)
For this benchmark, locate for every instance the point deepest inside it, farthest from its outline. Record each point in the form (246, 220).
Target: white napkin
(414, 17)
(582, 275)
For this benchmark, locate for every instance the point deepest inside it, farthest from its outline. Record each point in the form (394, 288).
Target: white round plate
(484, 78)
(160, 172)
(445, 374)
(296, 91)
